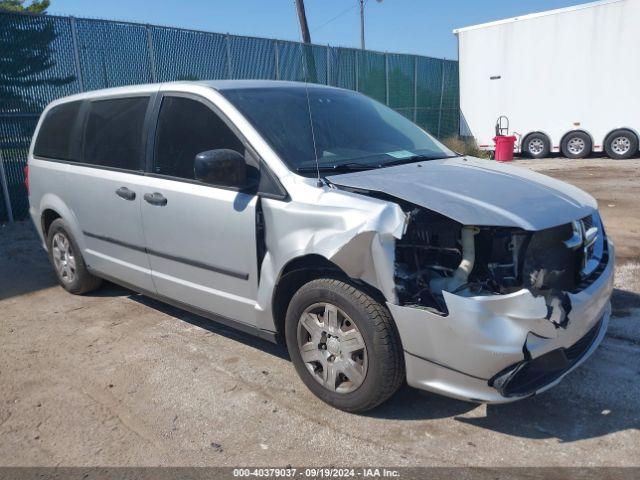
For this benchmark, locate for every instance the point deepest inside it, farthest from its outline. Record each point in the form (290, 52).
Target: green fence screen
(46, 57)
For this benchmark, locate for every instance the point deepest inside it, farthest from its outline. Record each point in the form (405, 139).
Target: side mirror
(222, 167)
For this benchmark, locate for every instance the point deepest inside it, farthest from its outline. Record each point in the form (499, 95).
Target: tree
(18, 6)
(26, 54)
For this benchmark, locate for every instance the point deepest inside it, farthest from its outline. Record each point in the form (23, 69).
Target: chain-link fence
(45, 57)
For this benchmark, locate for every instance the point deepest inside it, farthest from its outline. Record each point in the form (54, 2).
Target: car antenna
(306, 90)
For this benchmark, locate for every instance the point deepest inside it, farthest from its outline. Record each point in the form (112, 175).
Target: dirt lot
(114, 378)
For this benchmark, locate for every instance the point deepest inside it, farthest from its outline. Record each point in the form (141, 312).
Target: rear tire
(353, 359)
(536, 145)
(67, 261)
(621, 144)
(576, 145)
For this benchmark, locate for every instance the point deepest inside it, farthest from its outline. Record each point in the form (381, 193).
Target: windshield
(351, 130)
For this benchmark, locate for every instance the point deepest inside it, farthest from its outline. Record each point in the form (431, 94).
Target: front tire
(344, 345)
(576, 145)
(67, 260)
(536, 145)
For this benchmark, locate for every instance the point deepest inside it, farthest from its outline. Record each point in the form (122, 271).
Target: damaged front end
(498, 313)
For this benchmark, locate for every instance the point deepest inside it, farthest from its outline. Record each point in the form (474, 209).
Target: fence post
(76, 53)
(5, 189)
(415, 89)
(441, 97)
(357, 72)
(152, 55)
(228, 42)
(328, 65)
(386, 77)
(276, 59)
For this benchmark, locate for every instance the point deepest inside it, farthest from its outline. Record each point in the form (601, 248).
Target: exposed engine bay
(438, 255)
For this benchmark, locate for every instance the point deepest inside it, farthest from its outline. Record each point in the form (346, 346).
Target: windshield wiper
(414, 158)
(338, 167)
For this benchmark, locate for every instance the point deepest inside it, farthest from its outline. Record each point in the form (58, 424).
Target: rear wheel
(621, 144)
(576, 145)
(536, 145)
(344, 345)
(67, 260)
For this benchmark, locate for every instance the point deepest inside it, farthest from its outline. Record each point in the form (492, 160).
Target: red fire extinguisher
(503, 141)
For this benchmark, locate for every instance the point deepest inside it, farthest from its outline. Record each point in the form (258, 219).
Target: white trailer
(568, 80)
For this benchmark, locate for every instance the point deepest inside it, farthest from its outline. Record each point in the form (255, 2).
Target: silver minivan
(317, 216)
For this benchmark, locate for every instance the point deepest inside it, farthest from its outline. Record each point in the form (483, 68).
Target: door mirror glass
(222, 167)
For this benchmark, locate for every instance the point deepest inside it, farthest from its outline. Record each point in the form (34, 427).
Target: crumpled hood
(478, 192)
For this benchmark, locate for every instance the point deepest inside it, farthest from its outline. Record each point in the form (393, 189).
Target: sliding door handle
(155, 198)
(124, 192)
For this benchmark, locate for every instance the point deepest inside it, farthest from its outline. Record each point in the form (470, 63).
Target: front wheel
(344, 345)
(536, 145)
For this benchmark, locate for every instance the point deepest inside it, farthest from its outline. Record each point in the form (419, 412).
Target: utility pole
(302, 16)
(362, 24)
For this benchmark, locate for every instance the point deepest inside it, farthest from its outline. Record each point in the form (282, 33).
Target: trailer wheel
(576, 145)
(536, 145)
(621, 144)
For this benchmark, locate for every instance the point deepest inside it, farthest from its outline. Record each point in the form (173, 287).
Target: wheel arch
(621, 129)
(581, 130)
(533, 132)
(55, 207)
(46, 219)
(301, 270)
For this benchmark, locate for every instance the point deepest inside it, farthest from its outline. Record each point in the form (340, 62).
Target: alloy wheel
(64, 258)
(621, 145)
(536, 146)
(576, 145)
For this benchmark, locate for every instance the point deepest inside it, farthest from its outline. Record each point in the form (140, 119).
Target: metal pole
(441, 97)
(76, 53)
(276, 59)
(5, 189)
(415, 89)
(152, 56)
(386, 76)
(228, 42)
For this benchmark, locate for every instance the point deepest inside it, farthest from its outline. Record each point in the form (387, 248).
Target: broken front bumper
(501, 348)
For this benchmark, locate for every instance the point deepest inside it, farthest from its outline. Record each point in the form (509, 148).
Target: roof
(537, 15)
(262, 84)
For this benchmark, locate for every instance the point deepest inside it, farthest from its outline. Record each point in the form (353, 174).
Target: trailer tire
(536, 145)
(621, 144)
(576, 145)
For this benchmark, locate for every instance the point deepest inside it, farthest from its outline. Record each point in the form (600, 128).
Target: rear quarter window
(56, 137)
(114, 133)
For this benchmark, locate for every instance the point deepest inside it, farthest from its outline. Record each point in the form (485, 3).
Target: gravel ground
(114, 378)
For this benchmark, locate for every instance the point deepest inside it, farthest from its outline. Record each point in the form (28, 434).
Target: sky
(420, 27)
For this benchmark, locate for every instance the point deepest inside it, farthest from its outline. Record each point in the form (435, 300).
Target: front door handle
(155, 198)
(124, 192)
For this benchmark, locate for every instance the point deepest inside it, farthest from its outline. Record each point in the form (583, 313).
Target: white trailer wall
(574, 68)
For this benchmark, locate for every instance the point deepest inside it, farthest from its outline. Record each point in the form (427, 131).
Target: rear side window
(187, 127)
(56, 136)
(114, 131)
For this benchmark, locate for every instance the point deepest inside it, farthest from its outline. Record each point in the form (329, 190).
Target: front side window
(114, 131)
(349, 129)
(185, 128)
(55, 138)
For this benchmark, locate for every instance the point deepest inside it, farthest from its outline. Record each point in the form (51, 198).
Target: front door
(201, 239)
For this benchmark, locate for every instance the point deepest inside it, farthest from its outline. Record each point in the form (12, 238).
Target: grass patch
(465, 146)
